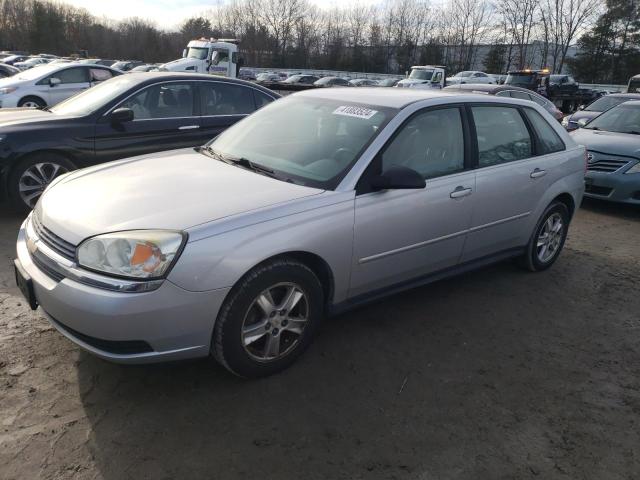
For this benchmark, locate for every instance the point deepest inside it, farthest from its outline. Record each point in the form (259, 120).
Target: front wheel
(32, 102)
(269, 319)
(548, 238)
(33, 175)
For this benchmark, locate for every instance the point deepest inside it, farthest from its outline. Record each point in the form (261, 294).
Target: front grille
(596, 190)
(606, 165)
(118, 347)
(53, 241)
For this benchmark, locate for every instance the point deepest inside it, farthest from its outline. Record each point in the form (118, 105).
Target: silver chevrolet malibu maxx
(315, 204)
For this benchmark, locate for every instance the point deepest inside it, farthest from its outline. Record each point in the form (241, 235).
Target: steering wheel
(343, 154)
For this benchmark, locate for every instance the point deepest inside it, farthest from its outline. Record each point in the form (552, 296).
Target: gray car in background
(595, 108)
(315, 204)
(613, 153)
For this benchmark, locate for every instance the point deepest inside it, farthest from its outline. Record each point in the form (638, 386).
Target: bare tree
(519, 17)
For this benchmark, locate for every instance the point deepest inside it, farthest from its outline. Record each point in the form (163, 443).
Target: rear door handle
(189, 127)
(538, 173)
(460, 192)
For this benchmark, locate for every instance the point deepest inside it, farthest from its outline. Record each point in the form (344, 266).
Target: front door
(72, 80)
(165, 118)
(400, 235)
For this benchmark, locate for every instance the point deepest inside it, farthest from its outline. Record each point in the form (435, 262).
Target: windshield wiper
(241, 162)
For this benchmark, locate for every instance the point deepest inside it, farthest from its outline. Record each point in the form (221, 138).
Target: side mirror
(121, 115)
(53, 81)
(184, 53)
(398, 178)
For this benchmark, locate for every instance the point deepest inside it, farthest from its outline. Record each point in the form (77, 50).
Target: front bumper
(9, 101)
(168, 323)
(613, 187)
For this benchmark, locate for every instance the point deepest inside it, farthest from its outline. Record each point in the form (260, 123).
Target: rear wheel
(269, 319)
(31, 176)
(548, 238)
(32, 102)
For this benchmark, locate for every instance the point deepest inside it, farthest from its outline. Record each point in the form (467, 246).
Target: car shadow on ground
(620, 210)
(405, 387)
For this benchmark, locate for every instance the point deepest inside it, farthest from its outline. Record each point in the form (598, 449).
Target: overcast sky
(166, 13)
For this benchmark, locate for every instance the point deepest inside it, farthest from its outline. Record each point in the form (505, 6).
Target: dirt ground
(498, 374)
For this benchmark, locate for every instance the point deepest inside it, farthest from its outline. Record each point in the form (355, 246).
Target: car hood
(181, 64)
(12, 81)
(10, 117)
(171, 190)
(623, 144)
(408, 82)
(583, 114)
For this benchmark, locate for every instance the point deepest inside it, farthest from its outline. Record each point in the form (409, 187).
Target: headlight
(141, 254)
(634, 169)
(7, 90)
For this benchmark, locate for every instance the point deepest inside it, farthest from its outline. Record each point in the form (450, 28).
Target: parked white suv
(48, 85)
(470, 77)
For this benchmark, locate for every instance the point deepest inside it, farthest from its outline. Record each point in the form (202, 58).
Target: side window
(549, 140)
(261, 99)
(520, 95)
(539, 100)
(431, 143)
(99, 74)
(165, 100)
(502, 135)
(68, 75)
(220, 98)
(437, 77)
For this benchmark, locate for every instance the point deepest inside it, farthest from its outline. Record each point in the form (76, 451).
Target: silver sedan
(313, 205)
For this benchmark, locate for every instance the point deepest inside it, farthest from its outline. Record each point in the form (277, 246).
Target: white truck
(208, 55)
(425, 76)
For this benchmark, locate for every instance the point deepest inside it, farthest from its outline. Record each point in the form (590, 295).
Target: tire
(31, 176)
(536, 257)
(32, 102)
(239, 342)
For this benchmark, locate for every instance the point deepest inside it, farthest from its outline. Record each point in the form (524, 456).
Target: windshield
(199, 53)
(419, 74)
(463, 74)
(308, 141)
(520, 79)
(634, 85)
(35, 73)
(293, 79)
(94, 98)
(605, 103)
(624, 118)
(325, 80)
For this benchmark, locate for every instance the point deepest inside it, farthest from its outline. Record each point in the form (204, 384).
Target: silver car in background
(613, 154)
(315, 204)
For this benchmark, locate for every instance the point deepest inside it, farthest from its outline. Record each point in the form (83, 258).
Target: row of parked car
(251, 217)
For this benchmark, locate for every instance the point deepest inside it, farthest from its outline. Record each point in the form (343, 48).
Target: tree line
(384, 38)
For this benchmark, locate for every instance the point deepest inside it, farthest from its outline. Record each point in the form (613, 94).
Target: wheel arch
(568, 201)
(37, 97)
(313, 261)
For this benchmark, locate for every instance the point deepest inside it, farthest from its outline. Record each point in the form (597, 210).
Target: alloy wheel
(550, 238)
(275, 322)
(35, 179)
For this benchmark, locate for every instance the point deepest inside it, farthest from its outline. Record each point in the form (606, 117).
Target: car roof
(152, 77)
(624, 95)
(489, 88)
(390, 97)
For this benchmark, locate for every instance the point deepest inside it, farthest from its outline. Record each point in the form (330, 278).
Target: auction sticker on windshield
(358, 112)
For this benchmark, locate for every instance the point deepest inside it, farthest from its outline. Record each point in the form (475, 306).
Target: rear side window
(548, 140)
(261, 99)
(100, 74)
(220, 98)
(520, 95)
(502, 135)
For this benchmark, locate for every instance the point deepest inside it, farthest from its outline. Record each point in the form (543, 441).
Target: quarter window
(99, 74)
(261, 99)
(548, 140)
(220, 98)
(431, 143)
(171, 100)
(502, 135)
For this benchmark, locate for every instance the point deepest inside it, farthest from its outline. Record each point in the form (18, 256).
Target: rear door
(512, 175)
(166, 117)
(224, 103)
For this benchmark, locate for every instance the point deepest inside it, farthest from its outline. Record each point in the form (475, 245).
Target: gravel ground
(495, 374)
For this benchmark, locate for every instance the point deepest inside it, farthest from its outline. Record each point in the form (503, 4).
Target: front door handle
(460, 192)
(538, 173)
(189, 127)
